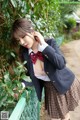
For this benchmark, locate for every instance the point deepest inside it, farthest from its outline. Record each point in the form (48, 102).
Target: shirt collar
(30, 50)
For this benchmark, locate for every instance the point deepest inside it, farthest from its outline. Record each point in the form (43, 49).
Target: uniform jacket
(54, 66)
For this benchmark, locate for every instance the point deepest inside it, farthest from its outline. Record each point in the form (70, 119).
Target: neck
(35, 46)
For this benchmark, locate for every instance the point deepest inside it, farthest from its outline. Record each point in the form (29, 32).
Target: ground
(71, 52)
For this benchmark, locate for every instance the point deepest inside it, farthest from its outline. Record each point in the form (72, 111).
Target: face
(26, 40)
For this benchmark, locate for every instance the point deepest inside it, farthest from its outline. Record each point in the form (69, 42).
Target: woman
(47, 68)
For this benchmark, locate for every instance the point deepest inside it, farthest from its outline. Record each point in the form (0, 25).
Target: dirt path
(71, 52)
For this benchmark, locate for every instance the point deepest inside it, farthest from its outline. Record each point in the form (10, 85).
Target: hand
(38, 37)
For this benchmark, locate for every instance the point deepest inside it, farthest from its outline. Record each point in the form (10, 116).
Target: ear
(36, 38)
(34, 35)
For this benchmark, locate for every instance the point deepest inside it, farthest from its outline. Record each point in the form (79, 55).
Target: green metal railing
(27, 109)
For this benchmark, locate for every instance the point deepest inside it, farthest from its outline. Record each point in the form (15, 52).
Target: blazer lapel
(29, 62)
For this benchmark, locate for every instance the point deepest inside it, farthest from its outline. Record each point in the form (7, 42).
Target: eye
(23, 36)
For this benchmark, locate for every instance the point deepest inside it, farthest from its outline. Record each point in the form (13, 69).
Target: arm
(51, 51)
(54, 55)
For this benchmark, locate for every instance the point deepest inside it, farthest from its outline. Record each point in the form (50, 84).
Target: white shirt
(38, 67)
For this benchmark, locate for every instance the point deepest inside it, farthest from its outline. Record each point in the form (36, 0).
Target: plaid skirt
(58, 105)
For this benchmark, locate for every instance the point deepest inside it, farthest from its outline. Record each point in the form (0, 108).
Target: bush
(70, 23)
(76, 35)
(10, 85)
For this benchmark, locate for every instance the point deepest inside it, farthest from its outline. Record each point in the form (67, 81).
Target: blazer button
(47, 73)
(53, 81)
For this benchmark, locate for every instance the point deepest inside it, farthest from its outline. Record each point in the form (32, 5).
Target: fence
(27, 110)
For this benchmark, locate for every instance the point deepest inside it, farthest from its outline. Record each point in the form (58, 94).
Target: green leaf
(13, 54)
(24, 62)
(26, 78)
(10, 92)
(6, 76)
(14, 3)
(5, 4)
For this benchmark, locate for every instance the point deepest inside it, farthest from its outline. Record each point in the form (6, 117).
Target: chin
(27, 46)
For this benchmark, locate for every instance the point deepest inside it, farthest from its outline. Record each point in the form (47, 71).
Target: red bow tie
(35, 56)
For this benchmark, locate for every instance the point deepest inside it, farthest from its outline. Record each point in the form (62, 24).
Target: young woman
(47, 68)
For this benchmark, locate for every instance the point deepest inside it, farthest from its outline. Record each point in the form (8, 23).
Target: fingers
(39, 37)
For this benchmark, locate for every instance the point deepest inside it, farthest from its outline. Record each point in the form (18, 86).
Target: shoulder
(51, 41)
(22, 51)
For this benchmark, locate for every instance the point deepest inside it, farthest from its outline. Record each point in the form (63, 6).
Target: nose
(22, 41)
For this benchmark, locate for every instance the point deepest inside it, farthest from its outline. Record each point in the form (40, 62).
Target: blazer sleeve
(54, 55)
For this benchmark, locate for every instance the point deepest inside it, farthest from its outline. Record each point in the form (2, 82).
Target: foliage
(10, 86)
(47, 16)
(76, 35)
(44, 14)
(69, 24)
(67, 9)
(70, 1)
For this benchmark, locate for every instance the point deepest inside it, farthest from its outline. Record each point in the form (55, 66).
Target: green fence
(27, 110)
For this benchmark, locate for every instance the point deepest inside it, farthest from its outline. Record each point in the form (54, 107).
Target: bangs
(19, 33)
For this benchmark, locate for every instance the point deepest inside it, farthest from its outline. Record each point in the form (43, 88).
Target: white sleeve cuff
(42, 47)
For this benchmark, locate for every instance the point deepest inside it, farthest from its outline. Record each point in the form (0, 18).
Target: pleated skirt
(58, 105)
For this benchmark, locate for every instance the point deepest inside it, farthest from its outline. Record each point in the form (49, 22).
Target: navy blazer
(54, 66)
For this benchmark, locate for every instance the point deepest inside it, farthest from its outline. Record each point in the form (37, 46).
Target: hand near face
(38, 37)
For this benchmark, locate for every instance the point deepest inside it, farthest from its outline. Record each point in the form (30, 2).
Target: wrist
(42, 46)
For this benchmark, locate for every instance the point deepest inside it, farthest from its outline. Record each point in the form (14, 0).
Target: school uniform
(61, 87)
